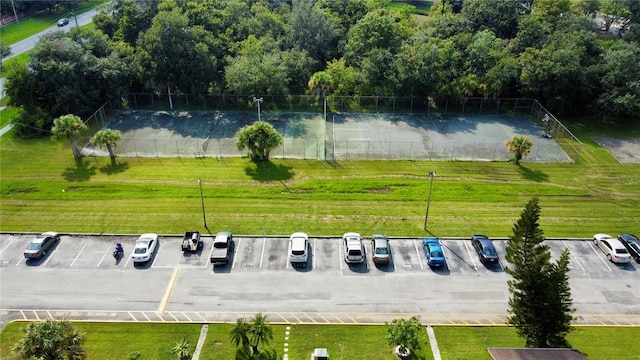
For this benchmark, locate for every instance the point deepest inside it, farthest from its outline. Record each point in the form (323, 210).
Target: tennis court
(350, 136)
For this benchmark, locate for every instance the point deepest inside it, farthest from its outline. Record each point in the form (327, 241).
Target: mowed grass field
(154, 341)
(44, 189)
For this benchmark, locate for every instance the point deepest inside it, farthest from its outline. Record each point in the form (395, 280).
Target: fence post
(481, 103)
(177, 148)
(453, 150)
(495, 149)
(515, 107)
(498, 106)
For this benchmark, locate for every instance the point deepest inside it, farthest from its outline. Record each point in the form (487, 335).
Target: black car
(485, 249)
(632, 243)
(41, 245)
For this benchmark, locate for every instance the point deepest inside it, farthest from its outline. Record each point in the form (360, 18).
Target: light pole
(258, 101)
(432, 174)
(204, 216)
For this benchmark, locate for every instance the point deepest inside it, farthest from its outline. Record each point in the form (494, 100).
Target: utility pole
(432, 174)
(204, 216)
(258, 101)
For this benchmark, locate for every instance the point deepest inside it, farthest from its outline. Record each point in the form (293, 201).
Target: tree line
(551, 50)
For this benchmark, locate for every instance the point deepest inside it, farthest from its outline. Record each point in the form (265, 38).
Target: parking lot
(79, 274)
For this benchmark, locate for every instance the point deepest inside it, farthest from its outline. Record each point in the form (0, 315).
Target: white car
(354, 252)
(612, 248)
(299, 248)
(145, 248)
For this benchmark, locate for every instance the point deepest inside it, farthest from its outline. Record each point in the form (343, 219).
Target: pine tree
(540, 303)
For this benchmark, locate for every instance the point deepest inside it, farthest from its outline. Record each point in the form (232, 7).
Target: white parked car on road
(612, 248)
(145, 247)
(299, 248)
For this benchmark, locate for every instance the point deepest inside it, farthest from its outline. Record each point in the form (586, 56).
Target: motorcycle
(118, 252)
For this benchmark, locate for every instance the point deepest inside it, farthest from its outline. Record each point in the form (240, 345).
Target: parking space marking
(4, 248)
(236, 250)
(573, 256)
(77, 256)
(104, 255)
(19, 261)
(598, 255)
(264, 242)
(297, 319)
(133, 317)
(313, 260)
(415, 243)
(337, 318)
(341, 257)
(470, 256)
(167, 293)
(187, 316)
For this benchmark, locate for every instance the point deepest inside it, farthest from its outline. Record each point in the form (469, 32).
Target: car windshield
(140, 250)
(490, 252)
(621, 251)
(382, 251)
(33, 246)
(437, 254)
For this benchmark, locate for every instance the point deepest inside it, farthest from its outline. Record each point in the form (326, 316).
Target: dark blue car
(433, 250)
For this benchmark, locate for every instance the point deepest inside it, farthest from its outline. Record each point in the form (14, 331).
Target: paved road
(79, 280)
(28, 43)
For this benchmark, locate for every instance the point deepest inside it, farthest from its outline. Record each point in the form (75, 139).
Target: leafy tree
(5, 50)
(69, 127)
(248, 335)
(257, 69)
(342, 78)
(181, 349)
(620, 78)
(107, 138)
(520, 146)
(312, 30)
(260, 332)
(405, 334)
(239, 333)
(51, 340)
(499, 16)
(540, 302)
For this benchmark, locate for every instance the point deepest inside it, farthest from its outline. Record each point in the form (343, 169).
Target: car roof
(298, 243)
(615, 243)
(299, 235)
(380, 241)
(628, 237)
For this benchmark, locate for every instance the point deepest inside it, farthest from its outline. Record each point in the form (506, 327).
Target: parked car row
(618, 250)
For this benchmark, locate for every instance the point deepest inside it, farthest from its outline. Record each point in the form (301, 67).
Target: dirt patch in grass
(626, 151)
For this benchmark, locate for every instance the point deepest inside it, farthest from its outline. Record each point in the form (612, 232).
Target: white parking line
(314, 253)
(77, 256)
(418, 253)
(19, 261)
(264, 242)
(573, 256)
(104, 255)
(49, 256)
(598, 255)
(470, 256)
(341, 256)
(393, 258)
(236, 249)
(4, 248)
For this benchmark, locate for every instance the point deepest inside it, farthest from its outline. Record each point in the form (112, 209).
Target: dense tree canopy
(553, 50)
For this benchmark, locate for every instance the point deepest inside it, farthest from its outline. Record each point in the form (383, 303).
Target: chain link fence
(556, 142)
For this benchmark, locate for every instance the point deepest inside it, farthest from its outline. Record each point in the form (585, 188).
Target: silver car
(612, 248)
(39, 246)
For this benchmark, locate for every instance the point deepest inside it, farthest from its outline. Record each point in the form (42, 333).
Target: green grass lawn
(135, 195)
(14, 32)
(154, 341)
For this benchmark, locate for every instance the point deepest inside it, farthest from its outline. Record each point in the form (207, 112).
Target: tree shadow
(83, 171)
(115, 167)
(268, 171)
(534, 175)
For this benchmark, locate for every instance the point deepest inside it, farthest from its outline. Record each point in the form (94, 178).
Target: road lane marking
(470, 256)
(167, 294)
(77, 256)
(415, 243)
(573, 256)
(598, 255)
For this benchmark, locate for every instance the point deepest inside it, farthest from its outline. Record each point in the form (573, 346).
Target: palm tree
(240, 333)
(520, 146)
(69, 127)
(182, 350)
(107, 138)
(51, 339)
(260, 332)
